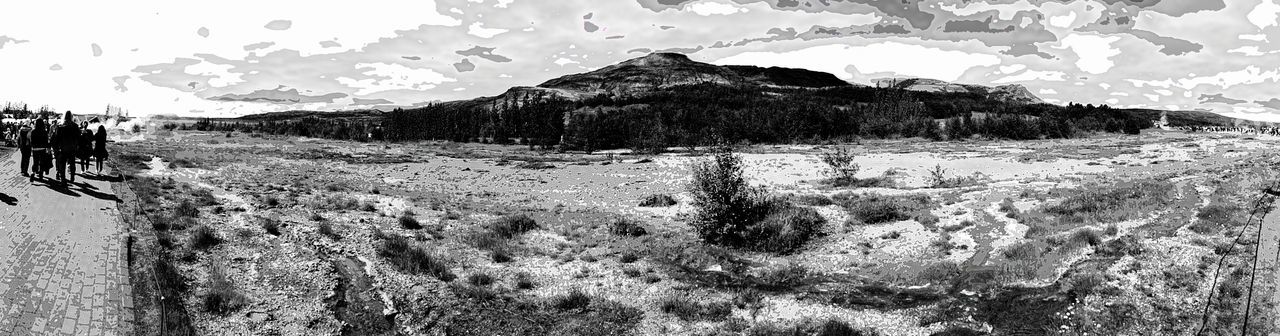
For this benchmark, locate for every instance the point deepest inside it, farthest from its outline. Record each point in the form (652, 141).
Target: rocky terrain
(1115, 235)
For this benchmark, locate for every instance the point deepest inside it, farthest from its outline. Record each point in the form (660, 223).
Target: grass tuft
(658, 200)
(689, 310)
(223, 297)
(413, 259)
(204, 237)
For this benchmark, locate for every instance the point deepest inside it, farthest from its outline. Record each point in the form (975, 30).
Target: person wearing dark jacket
(66, 136)
(39, 140)
(84, 147)
(24, 146)
(100, 146)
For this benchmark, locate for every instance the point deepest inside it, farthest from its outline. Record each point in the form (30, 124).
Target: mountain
(1014, 93)
(663, 70)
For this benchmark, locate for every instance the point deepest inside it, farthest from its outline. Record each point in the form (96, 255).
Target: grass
(689, 310)
(523, 281)
(628, 257)
(479, 279)
(223, 298)
(812, 200)
(203, 237)
(411, 259)
(574, 300)
(875, 209)
(186, 208)
(512, 225)
(336, 203)
(326, 228)
(535, 165)
(272, 225)
(1125, 201)
(1084, 237)
(658, 200)
(627, 227)
(1024, 251)
(482, 293)
(786, 230)
(408, 222)
(938, 179)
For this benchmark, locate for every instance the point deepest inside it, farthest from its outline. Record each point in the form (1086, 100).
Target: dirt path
(1269, 263)
(63, 267)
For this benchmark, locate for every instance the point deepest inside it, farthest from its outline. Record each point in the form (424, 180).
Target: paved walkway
(62, 260)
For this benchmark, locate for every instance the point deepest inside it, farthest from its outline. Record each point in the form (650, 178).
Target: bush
(628, 257)
(186, 209)
(727, 205)
(576, 299)
(813, 200)
(1023, 251)
(512, 225)
(479, 279)
(325, 228)
(1084, 237)
(1119, 247)
(272, 225)
(523, 281)
(1218, 213)
(658, 200)
(689, 310)
(840, 165)
(876, 209)
(336, 202)
(627, 227)
(786, 230)
(473, 291)
(500, 255)
(368, 207)
(412, 259)
(408, 222)
(223, 297)
(204, 237)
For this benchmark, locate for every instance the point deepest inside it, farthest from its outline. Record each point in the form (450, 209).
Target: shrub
(412, 259)
(186, 209)
(1084, 237)
(523, 281)
(315, 216)
(535, 165)
(408, 222)
(1110, 205)
(512, 225)
(627, 227)
(840, 165)
(576, 299)
(727, 205)
(204, 197)
(628, 257)
(786, 230)
(500, 256)
(783, 277)
(325, 228)
(204, 237)
(1119, 247)
(658, 200)
(223, 297)
(632, 272)
(1218, 213)
(689, 310)
(1023, 251)
(368, 207)
(473, 291)
(272, 225)
(876, 209)
(813, 200)
(479, 279)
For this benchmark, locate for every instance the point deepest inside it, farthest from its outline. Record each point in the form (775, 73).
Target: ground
(1102, 235)
(63, 267)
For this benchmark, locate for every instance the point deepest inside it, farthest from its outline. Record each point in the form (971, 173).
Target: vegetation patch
(1125, 201)
(413, 259)
(223, 298)
(688, 309)
(867, 209)
(733, 213)
(658, 200)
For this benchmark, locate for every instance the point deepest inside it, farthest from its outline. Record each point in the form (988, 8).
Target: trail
(1269, 268)
(63, 259)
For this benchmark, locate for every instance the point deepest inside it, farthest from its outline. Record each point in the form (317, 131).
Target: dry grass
(413, 259)
(223, 298)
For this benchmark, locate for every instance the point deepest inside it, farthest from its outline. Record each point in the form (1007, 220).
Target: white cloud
(1264, 15)
(395, 77)
(1254, 37)
(1095, 51)
(1008, 69)
(1152, 97)
(1255, 116)
(884, 57)
(1033, 75)
(1063, 21)
(477, 29)
(1227, 79)
(1048, 91)
(221, 73)
(1005, 11)
(714, 8)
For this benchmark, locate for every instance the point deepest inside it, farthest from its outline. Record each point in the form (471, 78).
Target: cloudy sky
(237, 57)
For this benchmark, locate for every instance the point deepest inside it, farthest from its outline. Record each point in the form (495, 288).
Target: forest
(707, 114)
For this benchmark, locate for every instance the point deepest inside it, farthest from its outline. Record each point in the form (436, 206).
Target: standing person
(24, 146)
(39, 140)
(84, 147)
(100, 146)
(68, 135)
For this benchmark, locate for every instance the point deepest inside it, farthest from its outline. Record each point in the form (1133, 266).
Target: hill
(1011, 93)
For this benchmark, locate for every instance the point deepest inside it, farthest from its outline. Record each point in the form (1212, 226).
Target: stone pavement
(63, 267)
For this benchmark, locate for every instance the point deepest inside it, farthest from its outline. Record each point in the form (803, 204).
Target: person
(39, 140)
(24, 146)
(100, 146)
(67, 135)
(84, 147)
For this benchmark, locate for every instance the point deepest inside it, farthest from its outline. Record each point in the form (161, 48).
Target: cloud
(259, 45)
(477, 29)
(279, 25)
(1219, 98)
(1273, 103)
(894, 58)
(1033, 75)
(55, 67)
(379, 101)
(464, 65)
(714, 8)
(1094, 51)
(6, 40)
(281, 95)
(203, 32)
(120, 80)
(1264, 14)
(389, 77)
(97, 50)
(485, 53)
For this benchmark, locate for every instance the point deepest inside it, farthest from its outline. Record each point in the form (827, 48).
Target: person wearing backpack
(24, 146)
(66, 139)
(39, 140)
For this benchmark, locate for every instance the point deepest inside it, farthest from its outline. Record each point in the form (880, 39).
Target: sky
(238, 57)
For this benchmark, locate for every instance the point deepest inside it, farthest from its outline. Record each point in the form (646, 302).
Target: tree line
(707, 114)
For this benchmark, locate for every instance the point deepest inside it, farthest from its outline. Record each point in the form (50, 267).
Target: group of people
(45, 142)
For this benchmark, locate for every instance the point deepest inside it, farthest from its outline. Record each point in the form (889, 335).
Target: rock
(259, 317)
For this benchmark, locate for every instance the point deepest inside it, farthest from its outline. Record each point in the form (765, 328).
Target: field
(1111, 235)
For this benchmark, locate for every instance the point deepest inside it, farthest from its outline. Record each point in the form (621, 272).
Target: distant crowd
(64, 144)
(1273, 131)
